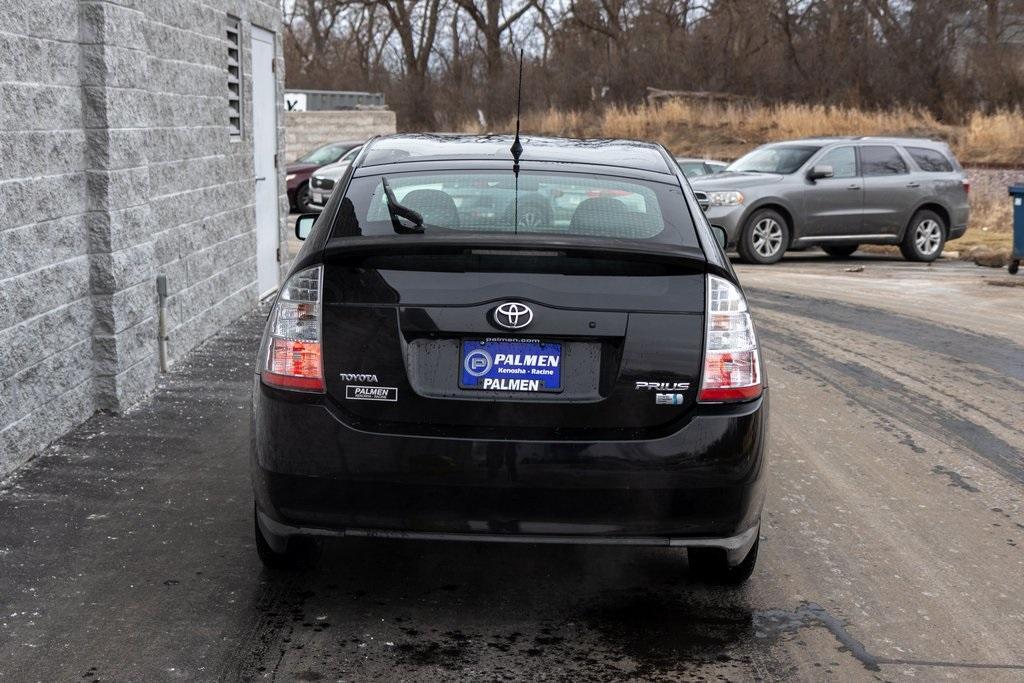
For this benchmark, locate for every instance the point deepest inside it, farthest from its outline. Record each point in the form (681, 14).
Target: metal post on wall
(161, 292)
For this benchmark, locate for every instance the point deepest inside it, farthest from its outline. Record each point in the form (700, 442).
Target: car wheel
(299, 552)
(839, 250)
(765, 237)
(530, 215)
(710, 565)
(925, 237)
(302, 204)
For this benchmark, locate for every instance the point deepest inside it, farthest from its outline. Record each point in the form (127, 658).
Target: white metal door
(264, 146)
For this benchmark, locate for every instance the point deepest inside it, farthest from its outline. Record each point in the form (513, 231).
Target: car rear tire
(302, 204)
(765, 237)
(925, 237)
(839, 250)
(299, 553)
(710, 565)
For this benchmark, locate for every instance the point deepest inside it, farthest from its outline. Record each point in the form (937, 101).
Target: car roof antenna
(517, 146)
(517, 149)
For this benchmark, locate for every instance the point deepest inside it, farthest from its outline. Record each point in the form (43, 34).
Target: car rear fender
(783, 207)
(930, 204)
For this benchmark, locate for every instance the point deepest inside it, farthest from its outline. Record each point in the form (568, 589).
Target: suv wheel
(299, 552)
(302, 204)
(839, 250)
(710, 565)
(925, 237)
(765, 237)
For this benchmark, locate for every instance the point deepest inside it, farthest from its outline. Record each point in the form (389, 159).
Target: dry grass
(994, 138)
(726, 131)
(991, 225)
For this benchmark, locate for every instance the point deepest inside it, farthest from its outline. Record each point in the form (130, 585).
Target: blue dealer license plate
(511, 365)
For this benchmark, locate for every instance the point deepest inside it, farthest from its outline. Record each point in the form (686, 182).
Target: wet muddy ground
(891, 546)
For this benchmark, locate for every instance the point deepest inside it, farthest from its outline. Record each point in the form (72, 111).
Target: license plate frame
(512, 365)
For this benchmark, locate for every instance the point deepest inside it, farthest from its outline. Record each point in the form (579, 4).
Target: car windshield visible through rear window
(551, 203)
(782, 159)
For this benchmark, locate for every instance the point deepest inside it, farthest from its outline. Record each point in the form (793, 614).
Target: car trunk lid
(618, 333)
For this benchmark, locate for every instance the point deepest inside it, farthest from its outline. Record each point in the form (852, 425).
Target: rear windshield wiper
(396, 211)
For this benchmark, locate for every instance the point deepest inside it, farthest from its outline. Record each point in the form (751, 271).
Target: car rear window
(930, 160)
(880, 160)
(551, 203)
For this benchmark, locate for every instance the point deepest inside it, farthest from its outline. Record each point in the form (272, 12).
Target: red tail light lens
(294, 353)
(732, 366)
(967, 186)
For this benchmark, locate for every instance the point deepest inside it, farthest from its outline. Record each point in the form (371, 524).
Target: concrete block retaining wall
(307, 130)
(992, 182)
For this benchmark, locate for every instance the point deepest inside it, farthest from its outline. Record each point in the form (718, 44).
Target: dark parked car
(695, 168)
(839, 193)
(584, 374)
(299, 171)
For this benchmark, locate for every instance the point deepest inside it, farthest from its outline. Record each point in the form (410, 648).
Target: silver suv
(839, 193)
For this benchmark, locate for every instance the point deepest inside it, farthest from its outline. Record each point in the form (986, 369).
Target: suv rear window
(878, 160)
(930, 160)
(558, 203)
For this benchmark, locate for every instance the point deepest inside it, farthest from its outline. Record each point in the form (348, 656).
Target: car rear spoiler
(344, 248)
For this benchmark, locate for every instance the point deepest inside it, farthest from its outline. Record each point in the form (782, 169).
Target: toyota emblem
(513, 315)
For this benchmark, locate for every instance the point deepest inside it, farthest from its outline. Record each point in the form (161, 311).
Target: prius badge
(512, 315)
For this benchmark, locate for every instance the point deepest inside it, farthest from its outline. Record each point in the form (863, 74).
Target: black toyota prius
(531, 343)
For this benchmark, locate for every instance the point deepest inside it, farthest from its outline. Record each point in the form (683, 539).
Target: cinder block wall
(116, 164)
(307, 130)
(46, 323)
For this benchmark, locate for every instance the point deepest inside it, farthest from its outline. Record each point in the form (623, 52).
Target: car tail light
(294, 354)
(967, 185)
(732, 367)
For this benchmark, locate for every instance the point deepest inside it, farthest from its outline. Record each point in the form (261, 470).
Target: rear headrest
(606, 217)
(436, 207)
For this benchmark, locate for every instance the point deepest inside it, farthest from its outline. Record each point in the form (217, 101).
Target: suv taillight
(732, 367)
(294, 355)
(967, 185)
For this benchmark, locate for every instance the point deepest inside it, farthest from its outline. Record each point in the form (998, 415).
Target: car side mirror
(720, 235)
(304, 225)
(819, 172)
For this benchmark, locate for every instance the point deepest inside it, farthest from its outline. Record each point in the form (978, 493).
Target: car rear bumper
(736, 547)
(701, 485)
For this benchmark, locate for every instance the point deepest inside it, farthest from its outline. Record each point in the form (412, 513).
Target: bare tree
(415, 24)
(493, 20)
(950, 56)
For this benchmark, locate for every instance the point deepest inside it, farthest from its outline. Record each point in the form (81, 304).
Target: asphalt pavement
(892, 546)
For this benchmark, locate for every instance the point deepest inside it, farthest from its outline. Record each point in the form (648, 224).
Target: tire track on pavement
(884, 394)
